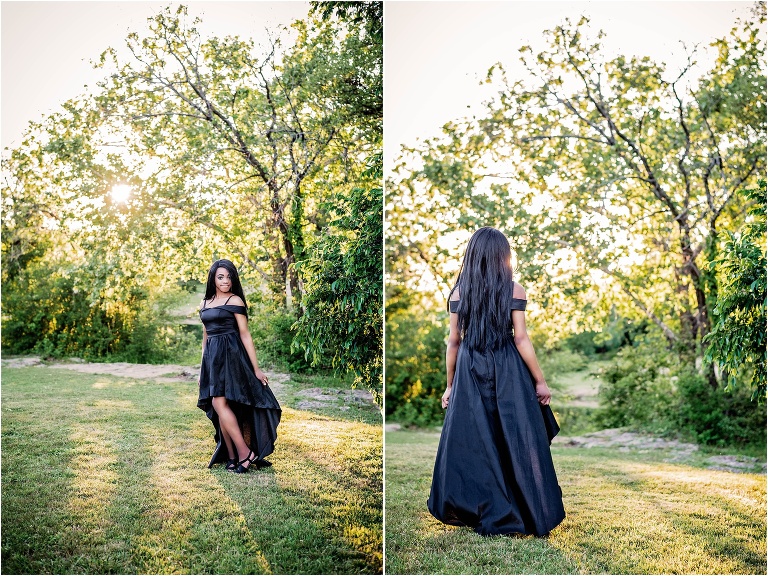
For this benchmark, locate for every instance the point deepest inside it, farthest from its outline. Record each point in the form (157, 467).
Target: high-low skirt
(227, 371)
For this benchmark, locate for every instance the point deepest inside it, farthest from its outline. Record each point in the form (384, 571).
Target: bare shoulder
(236, 301)
(518, 291)
(455, 295)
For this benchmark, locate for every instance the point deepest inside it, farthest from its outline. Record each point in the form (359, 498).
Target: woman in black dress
(234, 392)
(493, 470)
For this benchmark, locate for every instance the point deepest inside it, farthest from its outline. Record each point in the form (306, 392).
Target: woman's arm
(205, 341)
(527, 353)
(451, 350)
(245, 336)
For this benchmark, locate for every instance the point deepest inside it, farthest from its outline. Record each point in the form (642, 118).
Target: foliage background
(618, 182)
(253, 149)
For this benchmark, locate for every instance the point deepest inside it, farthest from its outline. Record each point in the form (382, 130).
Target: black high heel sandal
(231, 463)
(240, 469)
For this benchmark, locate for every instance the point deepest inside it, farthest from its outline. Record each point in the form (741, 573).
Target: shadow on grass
(647, 518)
(444, 549)
(320, 501)
(115, 478)
(624, 515)
(34, 479)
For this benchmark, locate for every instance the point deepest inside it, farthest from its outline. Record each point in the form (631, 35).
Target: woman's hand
(261, 376)
(446, 396)
(543, 393)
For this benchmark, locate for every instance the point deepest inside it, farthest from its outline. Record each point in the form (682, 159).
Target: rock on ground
(333, 397)
(678, 451)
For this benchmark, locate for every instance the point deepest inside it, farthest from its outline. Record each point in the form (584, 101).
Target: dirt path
(308, 398)
(158, 372)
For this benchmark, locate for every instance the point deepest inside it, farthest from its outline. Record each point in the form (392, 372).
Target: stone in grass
(736, 463)
(330, 394)
(618, 438)
(23, 362)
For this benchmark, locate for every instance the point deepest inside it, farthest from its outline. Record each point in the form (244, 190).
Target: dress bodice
(517, 304)
(221, 319)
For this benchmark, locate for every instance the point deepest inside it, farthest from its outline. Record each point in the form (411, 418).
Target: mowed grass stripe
(123, 485)
(627, 513)
(661, 517)
(309, 507)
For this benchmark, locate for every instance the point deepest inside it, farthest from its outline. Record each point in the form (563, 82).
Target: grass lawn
(102, 474)
(627, 513)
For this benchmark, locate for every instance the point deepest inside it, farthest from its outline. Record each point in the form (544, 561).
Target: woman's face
(223, 280)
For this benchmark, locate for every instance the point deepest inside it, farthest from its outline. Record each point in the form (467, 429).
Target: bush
(583, 342)
(556, 362)
(415, 365)
(420, 411)
(659, 392)
(44, 312)
(576, 420)
(616, 333)
(738, 338)
(157, 338)
(636, 391)
(271, 328)
(717, 417)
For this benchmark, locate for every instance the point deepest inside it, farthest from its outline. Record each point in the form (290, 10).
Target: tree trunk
(284, 263)
(695, 326)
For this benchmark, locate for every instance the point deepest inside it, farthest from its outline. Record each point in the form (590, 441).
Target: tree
(248, 132)
(230, 149)
(610, 177)
(343, 301)
(738, 337)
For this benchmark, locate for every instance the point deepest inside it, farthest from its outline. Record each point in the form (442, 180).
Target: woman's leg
(227, 442)
(229, 426)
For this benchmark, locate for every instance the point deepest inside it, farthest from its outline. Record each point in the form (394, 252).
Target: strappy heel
(231, 464)
(240, 469)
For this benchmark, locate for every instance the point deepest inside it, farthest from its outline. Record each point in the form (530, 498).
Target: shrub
(556, 362)
(717, 417)
(576, 420)
(271, 328)
(738, 338)
(415, 365)
(636, 390)
(44, 312)
(420, 411)
(616, 333)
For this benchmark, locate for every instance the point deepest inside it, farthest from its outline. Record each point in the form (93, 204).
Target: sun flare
(120, 193)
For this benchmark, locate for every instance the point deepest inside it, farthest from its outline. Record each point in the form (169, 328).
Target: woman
(234, 392)
(494, 470)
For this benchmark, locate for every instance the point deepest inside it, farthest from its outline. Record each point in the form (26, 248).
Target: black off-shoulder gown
(494, 470)
(226, 370)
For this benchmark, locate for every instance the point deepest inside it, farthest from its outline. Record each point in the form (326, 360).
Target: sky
(436, 53)
(47, 46)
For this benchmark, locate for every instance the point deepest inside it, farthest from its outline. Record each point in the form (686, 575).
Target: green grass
(355, 411)
(108, 475)
(627, 513)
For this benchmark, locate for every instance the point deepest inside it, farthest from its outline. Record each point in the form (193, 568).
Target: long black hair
(485, 284)
(237, 288)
